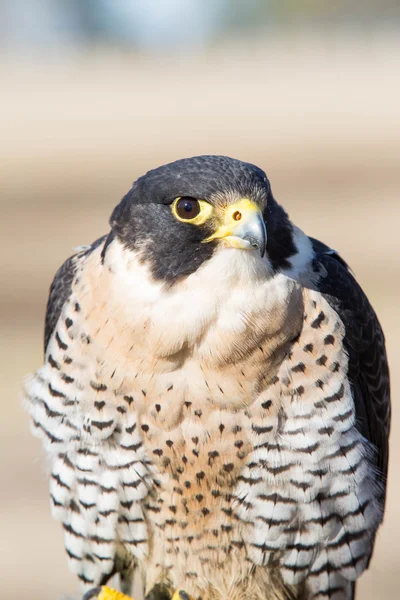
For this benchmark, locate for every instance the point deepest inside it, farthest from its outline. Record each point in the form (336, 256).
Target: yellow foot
(181, 595)
(105, 593)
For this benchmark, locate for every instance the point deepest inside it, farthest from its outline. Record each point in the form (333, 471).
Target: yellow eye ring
(190, 210)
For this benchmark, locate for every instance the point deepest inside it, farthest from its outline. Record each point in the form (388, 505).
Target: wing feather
(95, 487)
(365, 344)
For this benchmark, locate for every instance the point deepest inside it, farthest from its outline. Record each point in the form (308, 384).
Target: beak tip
(256, 234)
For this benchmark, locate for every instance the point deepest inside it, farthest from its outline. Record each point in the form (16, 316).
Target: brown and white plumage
(220, 425)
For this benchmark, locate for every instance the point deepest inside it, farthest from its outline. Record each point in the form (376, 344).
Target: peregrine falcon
(214, 398)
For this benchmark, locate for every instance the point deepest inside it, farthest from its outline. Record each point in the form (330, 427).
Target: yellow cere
(205, 213)
(234, 216)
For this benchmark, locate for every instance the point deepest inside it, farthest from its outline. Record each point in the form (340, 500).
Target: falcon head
(179, 215)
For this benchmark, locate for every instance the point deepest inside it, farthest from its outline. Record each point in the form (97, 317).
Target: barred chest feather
(207, 431)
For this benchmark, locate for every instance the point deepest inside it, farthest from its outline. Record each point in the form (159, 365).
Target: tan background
(319, 114)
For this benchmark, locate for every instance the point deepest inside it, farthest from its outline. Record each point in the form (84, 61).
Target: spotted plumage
(215, 417)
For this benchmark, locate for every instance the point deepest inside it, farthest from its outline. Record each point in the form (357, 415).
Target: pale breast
(191, 406)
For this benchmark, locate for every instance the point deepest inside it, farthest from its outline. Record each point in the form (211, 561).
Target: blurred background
(96, 92)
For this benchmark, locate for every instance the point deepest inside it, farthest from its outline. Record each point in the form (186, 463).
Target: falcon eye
(187, 208)
(191, 210)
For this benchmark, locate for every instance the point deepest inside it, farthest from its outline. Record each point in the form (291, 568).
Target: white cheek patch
(300, 261)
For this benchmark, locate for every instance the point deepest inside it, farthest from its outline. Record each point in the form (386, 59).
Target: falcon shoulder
(60, 288)
(365, 344)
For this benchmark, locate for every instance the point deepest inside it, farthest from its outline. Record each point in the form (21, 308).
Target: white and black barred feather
(98, 469)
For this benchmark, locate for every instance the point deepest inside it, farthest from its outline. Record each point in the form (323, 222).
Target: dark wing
(60, 288)
(365, 344)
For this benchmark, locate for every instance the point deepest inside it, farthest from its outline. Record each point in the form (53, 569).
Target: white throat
(234, 296)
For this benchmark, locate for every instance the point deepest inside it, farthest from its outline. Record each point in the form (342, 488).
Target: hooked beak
(243, 227)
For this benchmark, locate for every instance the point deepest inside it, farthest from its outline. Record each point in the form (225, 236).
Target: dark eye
(187, 208)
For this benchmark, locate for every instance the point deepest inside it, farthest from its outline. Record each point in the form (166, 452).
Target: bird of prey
(214, 398)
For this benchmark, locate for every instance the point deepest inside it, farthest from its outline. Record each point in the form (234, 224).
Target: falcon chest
(237, 383)
(196, 362)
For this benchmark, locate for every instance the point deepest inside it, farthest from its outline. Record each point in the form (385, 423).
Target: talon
(92, 594)
(105, 593)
